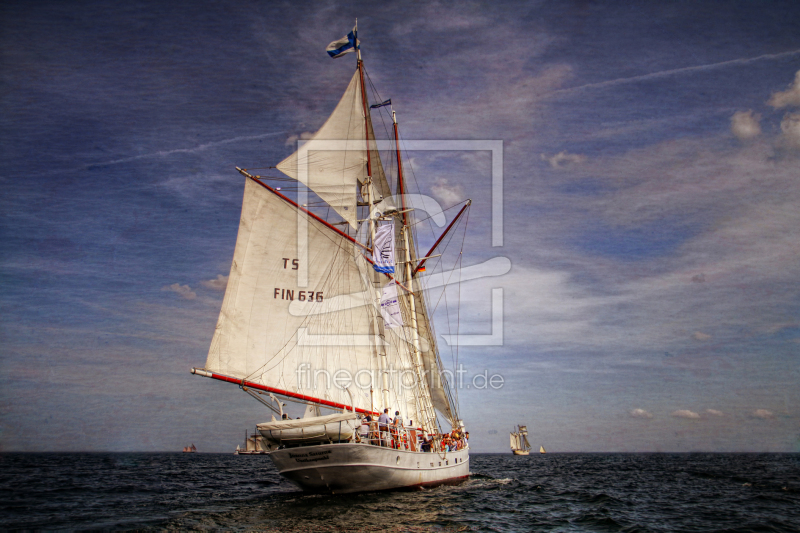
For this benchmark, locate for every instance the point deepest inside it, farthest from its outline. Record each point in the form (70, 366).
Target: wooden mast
(430, 423)
(380, 350)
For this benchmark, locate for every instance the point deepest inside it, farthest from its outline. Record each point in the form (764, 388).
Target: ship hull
(520, 452)
(346, 468)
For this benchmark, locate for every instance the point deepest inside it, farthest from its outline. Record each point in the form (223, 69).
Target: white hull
(343, 468)
(520, 452)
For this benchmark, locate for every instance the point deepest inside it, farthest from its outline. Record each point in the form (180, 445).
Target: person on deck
(397, 426)
(363, 431)
(383, 427)
(426, 444)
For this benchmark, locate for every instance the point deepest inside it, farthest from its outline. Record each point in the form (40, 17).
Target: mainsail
(327, 354)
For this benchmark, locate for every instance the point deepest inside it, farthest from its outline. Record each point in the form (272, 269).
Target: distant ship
(519, 441)
(254, 444)
(189, 449)
(541, 449)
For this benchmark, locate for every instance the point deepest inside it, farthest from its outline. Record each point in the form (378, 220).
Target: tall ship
(327, 305)
(519, 441)
(254, 444)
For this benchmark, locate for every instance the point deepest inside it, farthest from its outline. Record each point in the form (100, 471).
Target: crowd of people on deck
(392, 433)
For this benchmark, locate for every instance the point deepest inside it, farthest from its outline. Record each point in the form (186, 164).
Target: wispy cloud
(563, 159)
(714, 412)
(449, 194)
(184, 291)
(763, 413)
(677, 71)
(789, 97)
(640, 413)
(790, 128)
(685, 413)
(745, 125)
(195, 149)
(217, 284)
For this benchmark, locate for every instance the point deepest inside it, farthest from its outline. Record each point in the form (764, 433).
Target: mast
(427, 407)
(401, 186)
(380, 350)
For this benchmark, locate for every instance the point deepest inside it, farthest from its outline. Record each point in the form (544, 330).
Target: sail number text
(289, 294)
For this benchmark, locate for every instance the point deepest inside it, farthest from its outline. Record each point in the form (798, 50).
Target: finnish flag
(345, 45)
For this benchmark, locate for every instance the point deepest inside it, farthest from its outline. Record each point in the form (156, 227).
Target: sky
(651, 184)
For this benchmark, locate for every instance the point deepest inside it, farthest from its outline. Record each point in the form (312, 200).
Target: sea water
(552, 492)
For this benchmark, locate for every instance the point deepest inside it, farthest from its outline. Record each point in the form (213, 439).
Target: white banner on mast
(390, 307)
(383, 249)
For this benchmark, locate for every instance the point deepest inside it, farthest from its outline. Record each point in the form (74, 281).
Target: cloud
(790, 127)
(715, 412)
(763, 413)
(563, 159)
(184, 291)
(682, 70)
(718, 204)
(745, 125)
(685, 413)
(292, 139)
(446, 193)
(640, 413)
(218, 284)
(789, 97)
(193, 150)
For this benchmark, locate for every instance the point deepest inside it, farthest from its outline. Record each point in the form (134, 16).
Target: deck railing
(402, 438)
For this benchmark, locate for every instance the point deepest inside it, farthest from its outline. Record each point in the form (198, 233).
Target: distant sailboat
(189, 449)
(519, 441)
(541, 449)
(254, 444)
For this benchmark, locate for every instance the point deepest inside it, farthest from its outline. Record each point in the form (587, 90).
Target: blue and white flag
(383, 249)
(382, 104)
(390, 307)
(345, 45)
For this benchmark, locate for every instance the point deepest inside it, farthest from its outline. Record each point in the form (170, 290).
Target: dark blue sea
(553, 492)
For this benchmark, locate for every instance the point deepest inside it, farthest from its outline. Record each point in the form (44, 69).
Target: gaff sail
(258, 337)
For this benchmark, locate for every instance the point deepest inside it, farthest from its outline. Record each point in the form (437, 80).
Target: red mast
(364, 104)
(401, 186)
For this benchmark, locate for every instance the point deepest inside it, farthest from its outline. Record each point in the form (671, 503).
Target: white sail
(525, 442)
(257, 338)
(430, 360)
(306, 316)
(333, 173)
(514, 441)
